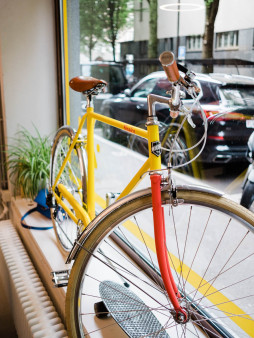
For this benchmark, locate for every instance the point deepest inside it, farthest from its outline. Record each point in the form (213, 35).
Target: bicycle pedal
(60, 278)
(111, 197)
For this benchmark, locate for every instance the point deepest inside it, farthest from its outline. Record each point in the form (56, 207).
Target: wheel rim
(214, 288)
(66, 230)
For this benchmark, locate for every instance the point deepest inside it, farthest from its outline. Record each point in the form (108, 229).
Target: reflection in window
(162, 87)
(210, 93)
(241, 96)
(145, 88)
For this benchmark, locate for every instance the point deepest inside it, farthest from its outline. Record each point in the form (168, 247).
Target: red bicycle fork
(161, 248)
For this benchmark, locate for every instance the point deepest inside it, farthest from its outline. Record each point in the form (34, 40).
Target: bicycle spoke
(213, 255)
(185, 241)
(195, 255)
(229, 301)
(121, 268)
(82, 247)
(221, 270)
(178, 250)
(204, 279)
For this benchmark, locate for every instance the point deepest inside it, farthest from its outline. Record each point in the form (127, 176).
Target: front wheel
(73, 178)
(210, 249)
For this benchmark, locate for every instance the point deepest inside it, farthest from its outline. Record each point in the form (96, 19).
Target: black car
(228, 102)
(112, 72)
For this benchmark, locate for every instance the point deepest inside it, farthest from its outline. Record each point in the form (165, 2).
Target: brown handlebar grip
(169, 65)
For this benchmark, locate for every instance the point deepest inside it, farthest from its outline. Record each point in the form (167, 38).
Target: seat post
(91, 157)
(89, 100)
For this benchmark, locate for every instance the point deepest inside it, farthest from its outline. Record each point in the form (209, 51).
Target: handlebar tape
(169, 65)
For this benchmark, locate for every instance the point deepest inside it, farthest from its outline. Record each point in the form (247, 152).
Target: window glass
(120, 41)
(210, 93)
(145, 88)
(243, 95)
(162, 87)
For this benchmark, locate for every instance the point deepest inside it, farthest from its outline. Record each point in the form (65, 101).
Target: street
(117, 164)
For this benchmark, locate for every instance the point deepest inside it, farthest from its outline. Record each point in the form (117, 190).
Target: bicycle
(165, 261)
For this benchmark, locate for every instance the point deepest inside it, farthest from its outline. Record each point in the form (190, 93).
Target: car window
(144, 88)
(117, 80)
(211, 93)
(112, 74)
(239, 95)
(162, 86)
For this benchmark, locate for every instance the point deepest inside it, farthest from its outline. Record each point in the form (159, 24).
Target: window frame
(223, 40)
(194, 43)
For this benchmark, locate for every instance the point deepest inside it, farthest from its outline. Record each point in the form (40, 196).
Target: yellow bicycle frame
(152, 163)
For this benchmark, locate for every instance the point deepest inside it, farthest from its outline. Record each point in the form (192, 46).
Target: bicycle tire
(223, 289)
(74, 179)
(247, 198)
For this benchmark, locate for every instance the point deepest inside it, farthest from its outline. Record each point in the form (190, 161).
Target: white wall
(27, 47)
(232, 15)
(191, 22)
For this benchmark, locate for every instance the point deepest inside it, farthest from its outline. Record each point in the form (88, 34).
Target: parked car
(112, 73)
(247, 198)
(228, 102)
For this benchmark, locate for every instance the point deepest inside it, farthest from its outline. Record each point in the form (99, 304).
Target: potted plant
(28, 163)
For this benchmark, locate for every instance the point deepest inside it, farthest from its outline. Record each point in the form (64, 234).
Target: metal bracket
(60, 278)
(173, 196)
(80, 143)
(111, 197)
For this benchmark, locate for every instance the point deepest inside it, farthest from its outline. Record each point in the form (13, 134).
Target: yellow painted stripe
(236, 183)
(244, 321)
(100, 201)
(66, 62)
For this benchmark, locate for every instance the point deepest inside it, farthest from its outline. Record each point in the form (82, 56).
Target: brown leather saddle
(87, 85)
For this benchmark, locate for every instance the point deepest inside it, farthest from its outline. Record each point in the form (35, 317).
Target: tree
(153, 18)
(115, 18)
(101, 20)
(91, 23)
(207, 52)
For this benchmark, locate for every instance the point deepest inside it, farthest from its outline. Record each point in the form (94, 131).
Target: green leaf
(28, 160)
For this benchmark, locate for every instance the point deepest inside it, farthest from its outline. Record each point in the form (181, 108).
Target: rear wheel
(210, 248)
(73, 178)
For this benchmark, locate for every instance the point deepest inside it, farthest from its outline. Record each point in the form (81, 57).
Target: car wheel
(137, 143)
(178, 158)
(247, 199)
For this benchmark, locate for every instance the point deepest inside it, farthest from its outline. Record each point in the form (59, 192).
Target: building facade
(233, 32)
